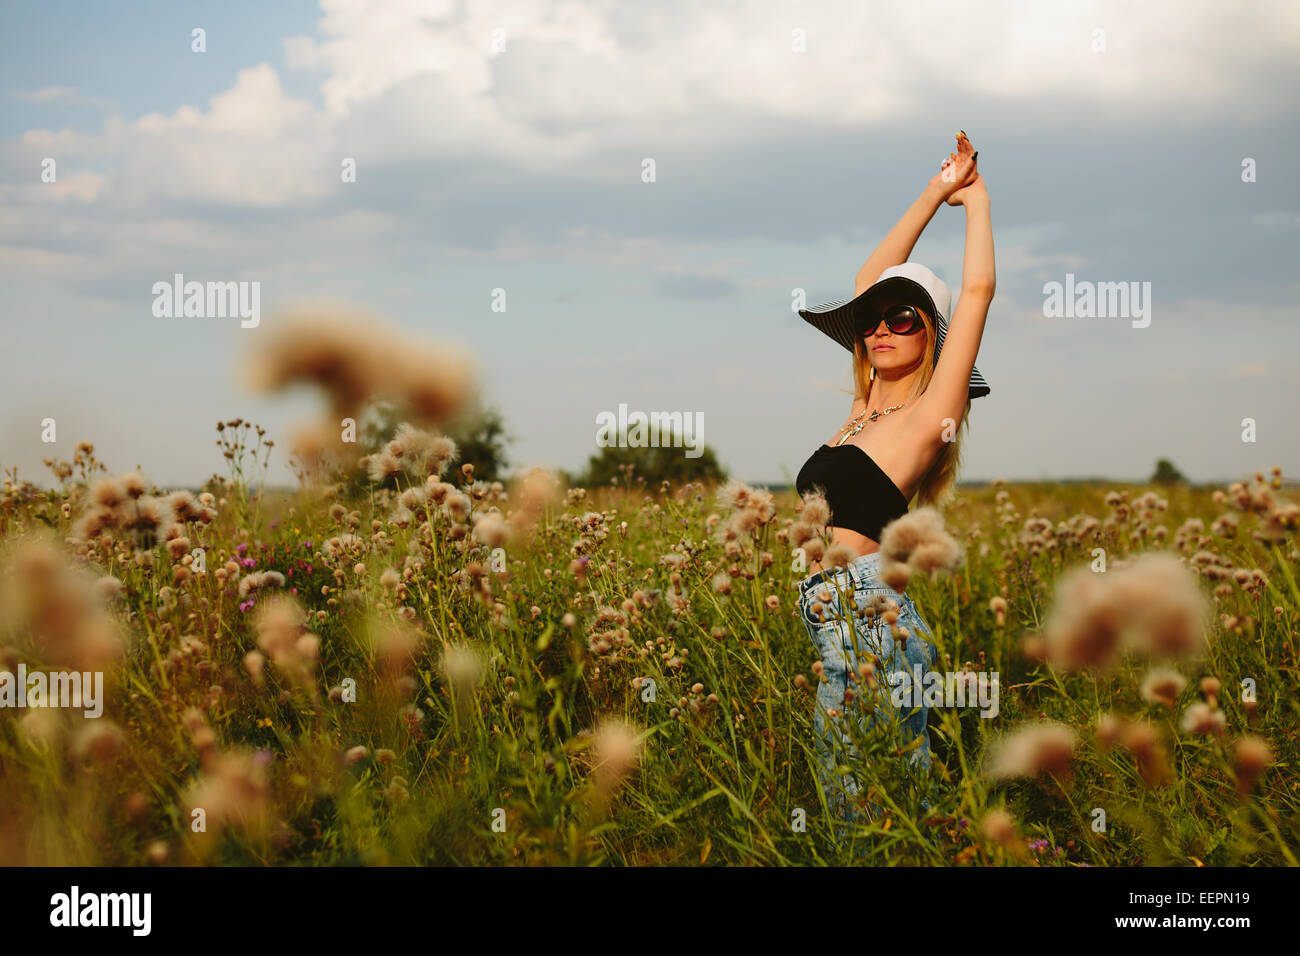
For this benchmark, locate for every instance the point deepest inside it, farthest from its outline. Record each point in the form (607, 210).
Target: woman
(899, 443)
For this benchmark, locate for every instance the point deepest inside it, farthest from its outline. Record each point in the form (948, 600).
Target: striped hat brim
(835, 319)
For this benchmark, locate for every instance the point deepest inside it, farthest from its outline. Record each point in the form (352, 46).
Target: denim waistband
(864, 569)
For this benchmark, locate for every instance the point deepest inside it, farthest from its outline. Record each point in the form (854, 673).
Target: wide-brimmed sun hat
(910, 283)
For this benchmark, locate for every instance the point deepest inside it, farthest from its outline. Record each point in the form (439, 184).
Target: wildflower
(108, 492)
(800, 533)
(462, 668)
(1152, 605)
(98, 742)
(537, 490)
(1251, 757)
(840, 555)
(1083, 630)
(56, 608)
(1202, 718)
(999, 827)
(259, 582)
(1169, 615)
(920, 540)
(233, 792)
(133, 485)
(1109, 728)
(382, 466)
(415, 448)
(1162, 686)
(42, 727)
(279, 628)
(254, 662)
(395, 647)
(354, 357)
(1044, 748)
(1152, 762)
(491, 530)
(457, 505)
(816, 511)
(184, 506)
(107, 588)
(998, 605)
(617, 749)
(462, 665)
(895, 575)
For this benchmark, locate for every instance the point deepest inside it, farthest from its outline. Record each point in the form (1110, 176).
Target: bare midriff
(859, 543)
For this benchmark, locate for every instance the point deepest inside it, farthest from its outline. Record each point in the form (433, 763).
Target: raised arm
(897, 245)
(949, 387)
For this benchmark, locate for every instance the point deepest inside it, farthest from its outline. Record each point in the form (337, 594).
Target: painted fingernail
(976, 156)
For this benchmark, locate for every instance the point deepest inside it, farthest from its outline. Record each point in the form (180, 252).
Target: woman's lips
(882, 348)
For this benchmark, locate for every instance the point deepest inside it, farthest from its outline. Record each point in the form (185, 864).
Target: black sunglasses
(901, 320)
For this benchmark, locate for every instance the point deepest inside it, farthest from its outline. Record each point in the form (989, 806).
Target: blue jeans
(843, 639)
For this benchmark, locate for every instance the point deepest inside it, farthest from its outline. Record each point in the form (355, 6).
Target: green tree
(1167, 474)
(663, 463)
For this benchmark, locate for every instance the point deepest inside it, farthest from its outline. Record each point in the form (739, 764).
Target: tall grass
(480, 732)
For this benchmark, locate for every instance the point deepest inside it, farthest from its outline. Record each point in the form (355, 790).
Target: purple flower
(248, 563)
(245, 605)
(242, 549)
(1037, 845)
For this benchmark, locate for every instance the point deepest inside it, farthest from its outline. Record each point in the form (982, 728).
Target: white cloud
(419, 80)
(46, 94)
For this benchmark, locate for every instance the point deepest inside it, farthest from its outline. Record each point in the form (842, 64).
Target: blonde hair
(936, 485)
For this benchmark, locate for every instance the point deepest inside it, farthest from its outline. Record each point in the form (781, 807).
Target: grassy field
(451, 672)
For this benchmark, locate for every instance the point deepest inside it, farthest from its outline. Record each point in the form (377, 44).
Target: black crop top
(861, 496)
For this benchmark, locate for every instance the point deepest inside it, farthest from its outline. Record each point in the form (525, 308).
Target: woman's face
(891, 352)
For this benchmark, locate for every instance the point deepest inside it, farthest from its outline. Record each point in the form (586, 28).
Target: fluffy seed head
(1033, 750)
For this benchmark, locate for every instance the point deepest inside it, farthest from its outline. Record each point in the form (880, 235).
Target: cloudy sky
(501, 146)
